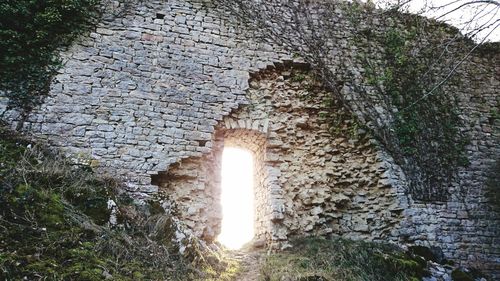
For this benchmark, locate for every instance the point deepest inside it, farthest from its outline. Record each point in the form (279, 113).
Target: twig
(448, 76)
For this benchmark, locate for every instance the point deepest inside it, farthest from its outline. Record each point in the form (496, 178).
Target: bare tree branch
(475, 2)
(450, 74)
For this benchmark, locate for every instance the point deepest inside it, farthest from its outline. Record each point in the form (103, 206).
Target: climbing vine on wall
(426, 125)
(31, 31)
(341, 122)
(393, 94)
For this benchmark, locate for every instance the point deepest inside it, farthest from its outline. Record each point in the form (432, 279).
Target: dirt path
(250, 264)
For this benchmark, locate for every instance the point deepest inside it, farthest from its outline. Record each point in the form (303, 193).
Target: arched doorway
(248, 143)
(237, 197)
(193, 185)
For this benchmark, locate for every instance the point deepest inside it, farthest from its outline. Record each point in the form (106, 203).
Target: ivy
(31, 32)
(426, 126)
(387, 84)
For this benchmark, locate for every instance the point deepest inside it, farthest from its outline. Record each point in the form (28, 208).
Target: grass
(341, 260)
(54, 226)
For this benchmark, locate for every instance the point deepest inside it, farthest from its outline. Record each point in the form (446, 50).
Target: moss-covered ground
(342, 260)
(54, 226)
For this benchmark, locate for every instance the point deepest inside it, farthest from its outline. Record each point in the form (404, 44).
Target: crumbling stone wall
(311, 178)
(145, 90)
(466, 226)
(330, 175)
(193, 185)
(151, 92)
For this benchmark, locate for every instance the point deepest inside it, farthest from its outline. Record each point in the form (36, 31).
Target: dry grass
(341, 260)
(54, 226)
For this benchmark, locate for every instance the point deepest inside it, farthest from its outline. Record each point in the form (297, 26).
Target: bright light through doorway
(237, 198)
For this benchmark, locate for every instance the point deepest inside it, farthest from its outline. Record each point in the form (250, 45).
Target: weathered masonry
(307, 180)
(194, 183)
(154, 96)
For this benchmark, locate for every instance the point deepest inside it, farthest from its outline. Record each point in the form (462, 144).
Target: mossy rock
(47, 207)
(97, 209)
(93, 202)
(459, 275)
(420, 260)
(476, 273)
(434, 254)
(402, 262)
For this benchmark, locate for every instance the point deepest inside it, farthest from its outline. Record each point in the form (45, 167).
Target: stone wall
(331, 176)
(466, 226)
(311, 178)
(153, 96)
(146, 90)
(193, 185)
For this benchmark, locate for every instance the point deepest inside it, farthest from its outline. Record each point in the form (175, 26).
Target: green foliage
(298, 77)
(494, 115)
(53, 226)
(352, 10)
(30, 33)
(426, 125)
(458, 275)
(339, 259)
(341, 122)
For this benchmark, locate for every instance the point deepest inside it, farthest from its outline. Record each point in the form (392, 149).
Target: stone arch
(251, 134)
(314, 179)
(193, 184)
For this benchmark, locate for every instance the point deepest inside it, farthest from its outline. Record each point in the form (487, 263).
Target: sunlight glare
(237, 198)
